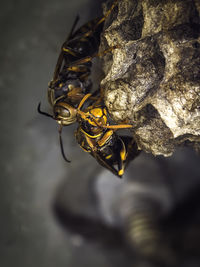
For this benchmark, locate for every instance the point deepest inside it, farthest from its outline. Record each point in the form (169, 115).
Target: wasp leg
(83, 101)
(90, 27)
(89, 58)
(117, 126)
(117, 156)
(70, 51)
(97, 96)
(103, 18)
(73, 27)
(85, 38)
(106, 163)
(122, 158)
(78, 68)
(105, 138)
(108, 12)
(131, 150)
(114, 127)
(61, 56)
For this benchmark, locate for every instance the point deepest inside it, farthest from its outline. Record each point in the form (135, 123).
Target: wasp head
(64, 113)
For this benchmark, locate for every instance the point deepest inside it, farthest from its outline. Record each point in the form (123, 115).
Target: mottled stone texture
(153, 78)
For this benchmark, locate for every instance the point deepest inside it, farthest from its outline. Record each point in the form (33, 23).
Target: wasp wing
(104, 162)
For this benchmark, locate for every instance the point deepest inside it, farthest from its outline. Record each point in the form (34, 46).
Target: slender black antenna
(73, 28)
(42, 112)
(61, 144)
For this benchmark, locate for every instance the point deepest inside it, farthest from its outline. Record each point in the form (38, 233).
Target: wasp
(96, 136)
(71, 78)
(71, 87)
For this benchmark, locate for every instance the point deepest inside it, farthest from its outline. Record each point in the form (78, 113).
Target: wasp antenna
(74, 26)
(42, 112)
(61, 145)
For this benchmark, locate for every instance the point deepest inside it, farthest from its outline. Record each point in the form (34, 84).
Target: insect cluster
(70, 96)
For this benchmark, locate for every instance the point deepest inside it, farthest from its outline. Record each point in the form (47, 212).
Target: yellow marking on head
(97, 112)
(121, 172)
(109, 156)
(60, 85)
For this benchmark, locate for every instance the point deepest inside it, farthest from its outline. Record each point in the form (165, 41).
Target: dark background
(31, 165)
(32, 169)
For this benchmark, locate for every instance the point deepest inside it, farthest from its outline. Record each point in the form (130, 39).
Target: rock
(152, 79)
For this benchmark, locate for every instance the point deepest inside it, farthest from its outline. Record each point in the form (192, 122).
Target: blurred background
(59, 214)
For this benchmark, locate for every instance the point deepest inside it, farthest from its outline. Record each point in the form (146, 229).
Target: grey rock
(152, 79)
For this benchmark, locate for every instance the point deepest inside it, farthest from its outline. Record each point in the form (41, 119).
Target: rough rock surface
(153, 78)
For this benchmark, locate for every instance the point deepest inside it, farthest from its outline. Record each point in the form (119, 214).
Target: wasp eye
(65, 112)
(61, 112)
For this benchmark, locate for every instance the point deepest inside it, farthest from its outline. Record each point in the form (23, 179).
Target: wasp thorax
(64, 113)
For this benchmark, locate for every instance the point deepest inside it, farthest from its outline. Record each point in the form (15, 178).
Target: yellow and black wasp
(96, 136)
(71, 79)
(70, 88)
